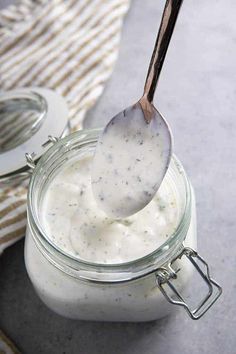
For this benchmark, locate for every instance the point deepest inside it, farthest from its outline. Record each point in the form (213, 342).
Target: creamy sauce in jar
(73, 221)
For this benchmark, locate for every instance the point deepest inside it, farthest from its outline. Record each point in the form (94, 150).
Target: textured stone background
(197, 93)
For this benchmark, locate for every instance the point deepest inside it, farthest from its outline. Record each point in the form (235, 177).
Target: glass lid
(27, 117)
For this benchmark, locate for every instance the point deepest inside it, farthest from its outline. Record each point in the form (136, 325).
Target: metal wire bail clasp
(30, 157)
(51, 140)
(165, 276)
(30, 160)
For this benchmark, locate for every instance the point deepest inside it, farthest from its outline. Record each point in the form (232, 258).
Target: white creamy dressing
(130, 162)
(73, 221)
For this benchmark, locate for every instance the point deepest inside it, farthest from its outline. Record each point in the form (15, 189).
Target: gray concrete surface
(197, 93)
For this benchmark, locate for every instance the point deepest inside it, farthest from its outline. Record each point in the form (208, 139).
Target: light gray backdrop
(197, 94)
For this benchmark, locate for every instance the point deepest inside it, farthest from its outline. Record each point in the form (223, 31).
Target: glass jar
(139, 290)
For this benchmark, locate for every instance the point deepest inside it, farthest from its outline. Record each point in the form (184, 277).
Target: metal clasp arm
(30, 157)
(165, 275)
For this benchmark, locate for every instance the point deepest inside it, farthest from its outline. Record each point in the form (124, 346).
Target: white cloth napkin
(6, 345)
(66, 45)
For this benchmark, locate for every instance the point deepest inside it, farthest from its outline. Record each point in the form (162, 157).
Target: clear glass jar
(132, 291)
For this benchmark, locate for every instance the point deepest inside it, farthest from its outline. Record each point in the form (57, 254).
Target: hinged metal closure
(51, 140)
(165, 275)
(30, 160)
(30, 157)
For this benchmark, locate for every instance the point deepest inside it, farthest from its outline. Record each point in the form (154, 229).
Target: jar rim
(99, 271)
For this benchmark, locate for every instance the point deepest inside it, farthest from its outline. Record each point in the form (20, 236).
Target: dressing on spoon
(134, 150)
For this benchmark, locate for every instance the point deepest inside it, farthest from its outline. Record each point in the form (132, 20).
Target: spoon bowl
(128, 175)
(134, 150)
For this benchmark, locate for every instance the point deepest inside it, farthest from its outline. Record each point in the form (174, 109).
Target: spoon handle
(167, 25)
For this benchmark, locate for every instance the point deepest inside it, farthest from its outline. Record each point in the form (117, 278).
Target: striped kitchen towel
(67, 45)
(6, 345)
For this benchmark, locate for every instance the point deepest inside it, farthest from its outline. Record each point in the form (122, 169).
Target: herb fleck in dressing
(75, 223)
(130, 162)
